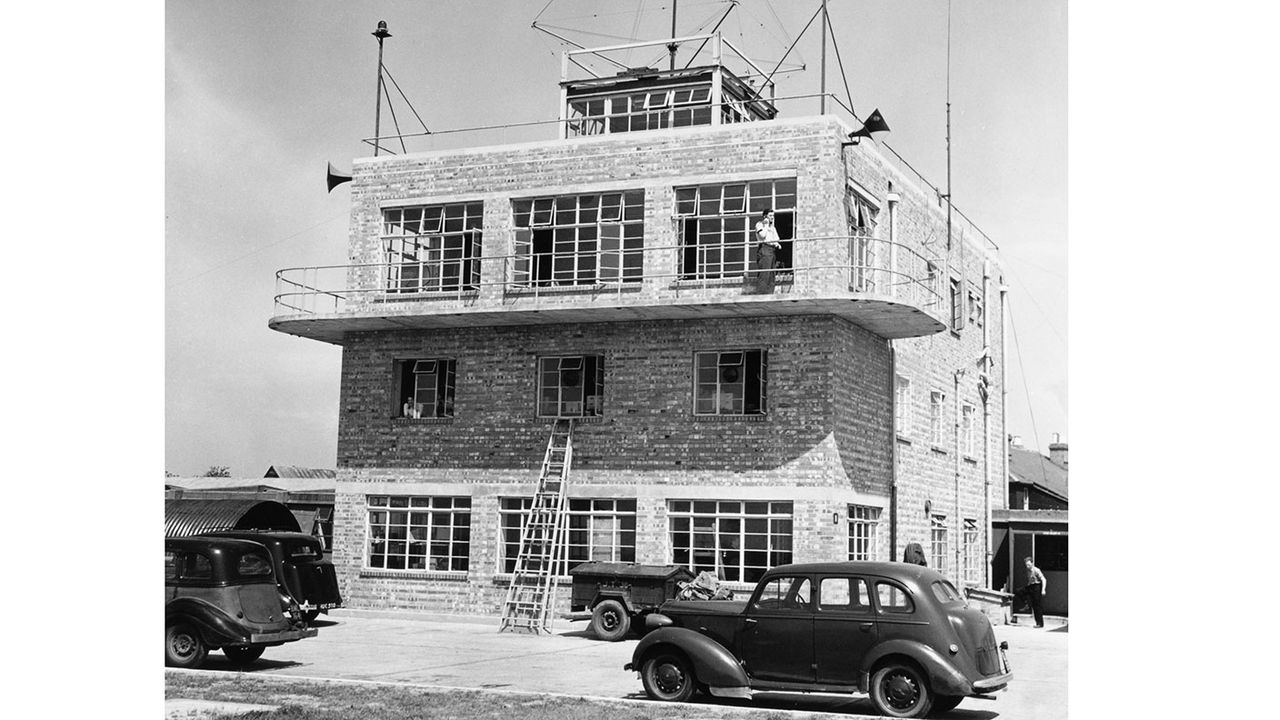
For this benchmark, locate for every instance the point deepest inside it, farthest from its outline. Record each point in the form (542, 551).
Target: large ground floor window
(863, 522)
(736, 540)
(419, 533)
(603, 530)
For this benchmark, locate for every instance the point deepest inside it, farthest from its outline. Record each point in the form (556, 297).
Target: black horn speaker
(335, 178)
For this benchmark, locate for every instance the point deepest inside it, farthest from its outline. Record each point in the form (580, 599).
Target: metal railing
(838, 263)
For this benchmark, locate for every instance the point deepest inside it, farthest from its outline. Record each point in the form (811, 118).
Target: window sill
(451, 575)
(422, 421)
(971, 460)
(745, 280)
(762, 417)
(904, 439)
(465, 294)
(939, 450)
(586, 419)
(504, 579)
(579, 289)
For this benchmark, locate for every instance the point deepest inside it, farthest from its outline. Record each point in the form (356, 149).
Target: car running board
(746, 693)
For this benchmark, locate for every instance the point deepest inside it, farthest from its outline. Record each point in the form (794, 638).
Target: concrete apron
(468, 652)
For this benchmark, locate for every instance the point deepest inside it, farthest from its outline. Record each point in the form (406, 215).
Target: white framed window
(730, 382)
(578, 239)
(432, 248)
(863, 524)
(862, 214)
(902, 404)
(571, 386)
(937, 415)
(957, 305)
(975, 306)
(418, 532)
(938, 542)
(598, 529)
(973, 553)
(716, 225)
(426, 388)
(736, 540)
(967, 436)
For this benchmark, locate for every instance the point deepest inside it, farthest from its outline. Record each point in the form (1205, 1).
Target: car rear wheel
(945, 703)
(899, 689)
(243, 654)
(183, 646)
(610, 621)
(668, 677)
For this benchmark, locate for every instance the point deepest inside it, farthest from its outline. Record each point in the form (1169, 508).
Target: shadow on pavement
(323, 623)
(859, 705)
(218, 661)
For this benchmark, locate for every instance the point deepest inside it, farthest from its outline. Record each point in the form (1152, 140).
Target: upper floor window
(579, 239)
(715, 225)
(902, 405)
(967, 441)
(643, 110)
(975, 306)
(957, 306)
(426, 388)
(419, 533)
(937, 408)
(862, 249)
(433, 248)
(571, 386)
(731, 382)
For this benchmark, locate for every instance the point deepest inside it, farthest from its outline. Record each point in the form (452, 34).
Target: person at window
(766, 251)
(1033, 592)
(914, 554)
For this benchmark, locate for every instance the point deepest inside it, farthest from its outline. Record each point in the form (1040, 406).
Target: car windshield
(945, 592)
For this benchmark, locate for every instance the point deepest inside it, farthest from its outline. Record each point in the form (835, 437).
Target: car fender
(713, 664)
(944, 677)
(216, 627)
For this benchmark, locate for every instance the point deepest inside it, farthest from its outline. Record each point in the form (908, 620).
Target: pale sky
(260, 95)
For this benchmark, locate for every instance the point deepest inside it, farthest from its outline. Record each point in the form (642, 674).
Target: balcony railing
(860, 264)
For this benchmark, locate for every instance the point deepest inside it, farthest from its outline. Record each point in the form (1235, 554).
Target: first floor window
(579, 239)
(419, 533)
(967, 414)
(736, 540)
(957, 306)
(602, 530)
(426, 388)
(972, 553)
(716, 226)
(730, 382)
(863, 522)
(937, 428)
(571, 386)
(938, 542)
(975, 306)
(902, 405)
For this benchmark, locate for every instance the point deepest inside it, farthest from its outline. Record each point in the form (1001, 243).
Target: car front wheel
(243, 654)
(901, 690)
(183, 646)
(610, 620)
(668, 677)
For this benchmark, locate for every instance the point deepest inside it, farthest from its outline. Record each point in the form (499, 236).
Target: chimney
(1058, 451)
(1015, 441)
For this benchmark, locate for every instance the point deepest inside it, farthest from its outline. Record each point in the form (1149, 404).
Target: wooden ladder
(531, 595)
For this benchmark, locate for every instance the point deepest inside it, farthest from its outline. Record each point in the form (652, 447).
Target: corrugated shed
(191, 517)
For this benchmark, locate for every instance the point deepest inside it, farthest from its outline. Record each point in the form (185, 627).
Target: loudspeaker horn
(335, 178)
(875, 123)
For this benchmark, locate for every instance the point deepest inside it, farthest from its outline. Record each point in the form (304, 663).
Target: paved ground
(434, 650)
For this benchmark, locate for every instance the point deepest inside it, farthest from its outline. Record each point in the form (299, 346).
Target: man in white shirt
(1034, 591)
(766, 251)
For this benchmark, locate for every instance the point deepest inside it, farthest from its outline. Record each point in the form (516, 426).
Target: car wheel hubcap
(668, 678)
(901, 690)
(182, 645)
(609, 620)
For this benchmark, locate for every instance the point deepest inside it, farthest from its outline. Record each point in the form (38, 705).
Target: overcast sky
(260, 95)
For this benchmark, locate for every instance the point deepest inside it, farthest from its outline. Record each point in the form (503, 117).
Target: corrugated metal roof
(293, 471)
(191, 517)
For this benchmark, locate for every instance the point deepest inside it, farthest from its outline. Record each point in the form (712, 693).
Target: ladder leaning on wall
(531, 596)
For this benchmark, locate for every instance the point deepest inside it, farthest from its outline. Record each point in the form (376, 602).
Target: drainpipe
(892, 281)
(986, 425)
(959, 522)
(893, 443)
(1004, 393)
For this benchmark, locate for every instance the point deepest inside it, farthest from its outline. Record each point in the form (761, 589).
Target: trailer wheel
(610, 621)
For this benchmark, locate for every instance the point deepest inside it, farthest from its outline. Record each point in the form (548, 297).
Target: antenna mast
(822, 101)
(672, 47)
(382, 34)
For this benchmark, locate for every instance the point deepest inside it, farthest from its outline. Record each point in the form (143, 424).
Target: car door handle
(751, 621)
(865, 627)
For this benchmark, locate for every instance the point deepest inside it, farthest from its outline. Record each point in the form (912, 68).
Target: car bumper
(284, 636)
(992, 684)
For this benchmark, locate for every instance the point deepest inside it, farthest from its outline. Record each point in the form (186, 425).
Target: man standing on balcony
(766, 251)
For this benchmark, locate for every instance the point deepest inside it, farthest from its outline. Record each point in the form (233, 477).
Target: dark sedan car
(900, 633)
(222, 593)
(300, 568)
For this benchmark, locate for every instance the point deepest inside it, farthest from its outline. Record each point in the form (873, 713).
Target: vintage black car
(900, 633)
(300, 568)
(222, 593)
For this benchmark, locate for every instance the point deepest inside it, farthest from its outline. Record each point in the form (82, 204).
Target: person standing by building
(1034, 590)
(766, 251)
